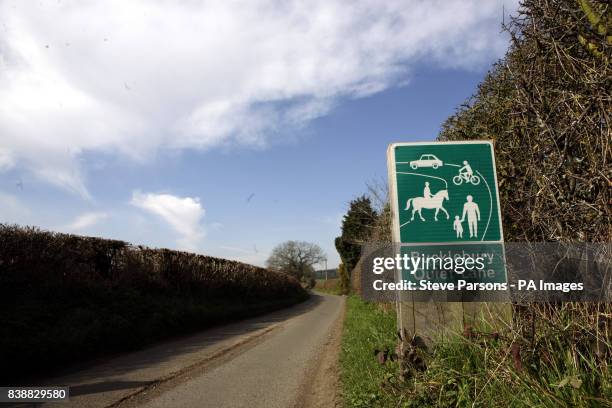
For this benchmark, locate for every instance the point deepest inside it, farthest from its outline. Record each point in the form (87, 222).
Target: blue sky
(206, 144)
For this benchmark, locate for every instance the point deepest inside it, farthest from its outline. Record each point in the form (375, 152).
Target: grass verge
(564, 362)
(366, 327)
(561, 366)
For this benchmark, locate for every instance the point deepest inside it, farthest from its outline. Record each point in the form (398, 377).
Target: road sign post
(443, 195)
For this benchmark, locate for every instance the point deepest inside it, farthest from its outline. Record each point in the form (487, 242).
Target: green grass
(558, 369)
(366, 328)
(464, 374)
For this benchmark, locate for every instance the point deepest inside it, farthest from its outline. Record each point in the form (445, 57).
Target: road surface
(283, 359)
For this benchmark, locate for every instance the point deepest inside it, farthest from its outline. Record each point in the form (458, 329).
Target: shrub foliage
(357, 226)
(548, 106)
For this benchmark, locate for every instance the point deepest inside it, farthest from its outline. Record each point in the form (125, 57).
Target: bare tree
(296, 258)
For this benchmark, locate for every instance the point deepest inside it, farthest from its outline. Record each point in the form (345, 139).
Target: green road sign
(444, 192)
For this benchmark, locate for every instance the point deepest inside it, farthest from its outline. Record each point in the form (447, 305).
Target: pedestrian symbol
(444, 192)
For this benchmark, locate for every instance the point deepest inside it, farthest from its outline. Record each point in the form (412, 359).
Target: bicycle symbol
(460, 178)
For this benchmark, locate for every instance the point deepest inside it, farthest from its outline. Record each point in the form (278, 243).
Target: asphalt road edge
(171, 380)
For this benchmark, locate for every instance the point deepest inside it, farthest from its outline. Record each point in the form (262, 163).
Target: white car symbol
(426, 160)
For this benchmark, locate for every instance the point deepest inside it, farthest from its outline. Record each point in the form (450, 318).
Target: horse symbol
(435, 201)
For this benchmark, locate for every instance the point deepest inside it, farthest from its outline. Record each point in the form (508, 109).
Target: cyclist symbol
(466, 174)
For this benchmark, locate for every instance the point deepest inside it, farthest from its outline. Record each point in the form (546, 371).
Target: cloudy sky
(222, 127)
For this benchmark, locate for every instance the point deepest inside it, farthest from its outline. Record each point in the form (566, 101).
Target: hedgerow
(65, 297)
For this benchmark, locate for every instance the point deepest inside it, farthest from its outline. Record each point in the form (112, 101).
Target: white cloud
(183, 214)
(135, 77)
(12, 210)
(6, 160)
(84, 221)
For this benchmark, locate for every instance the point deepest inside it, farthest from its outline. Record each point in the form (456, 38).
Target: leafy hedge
(66, 297)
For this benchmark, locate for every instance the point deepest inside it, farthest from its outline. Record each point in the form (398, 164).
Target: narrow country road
(283, 359)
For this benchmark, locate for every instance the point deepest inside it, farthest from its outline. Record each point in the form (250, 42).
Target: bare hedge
(548, 106)
(64, 297)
